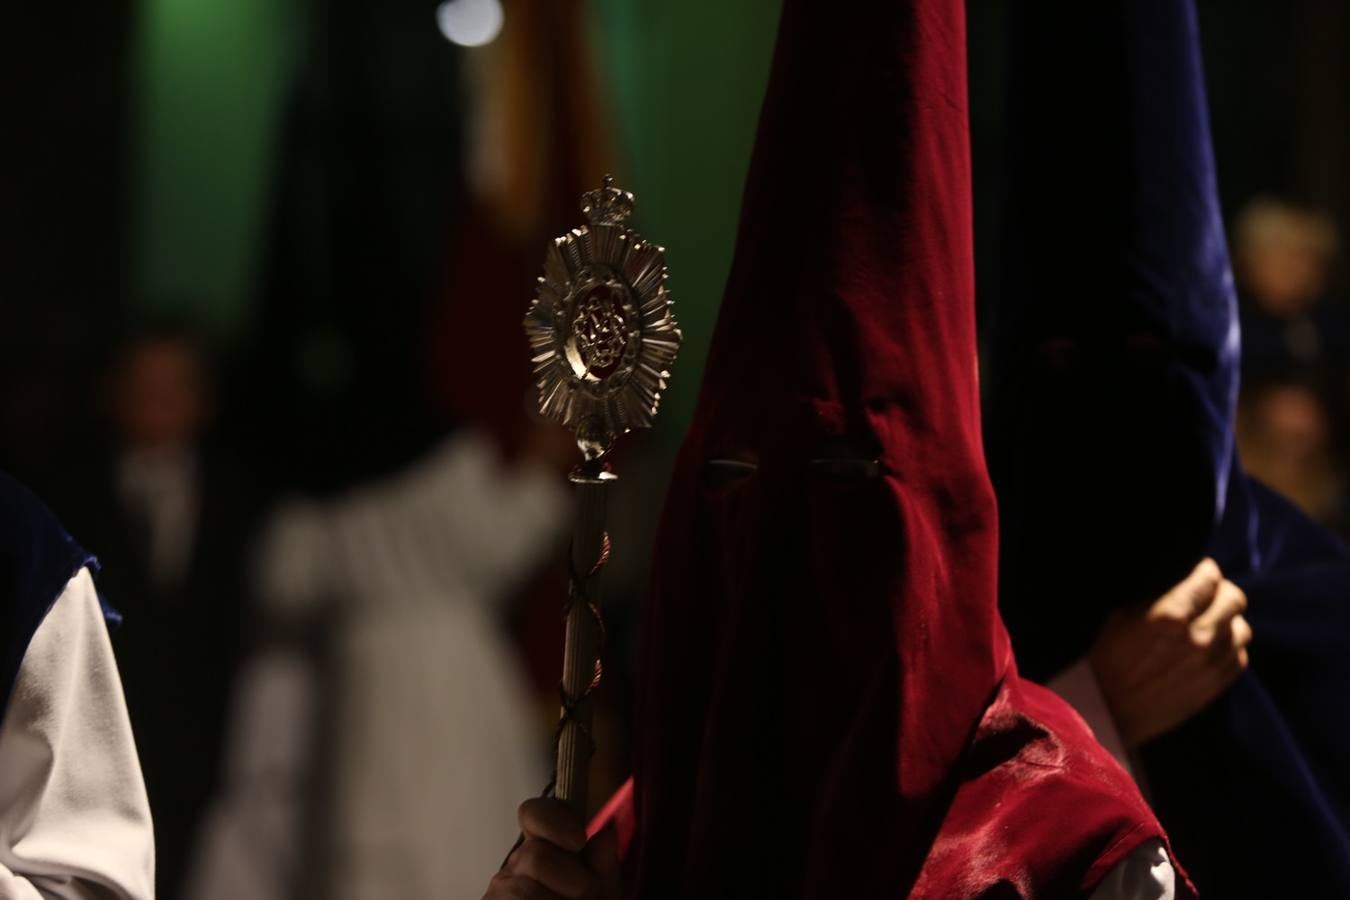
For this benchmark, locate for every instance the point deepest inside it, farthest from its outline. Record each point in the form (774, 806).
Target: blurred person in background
(171, 522)
(1295, 356)
(1286, 437)
(387, 727)
(376, 767)
(74, 819)
(1283, 259)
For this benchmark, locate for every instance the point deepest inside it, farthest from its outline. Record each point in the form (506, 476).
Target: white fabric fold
(74, 818)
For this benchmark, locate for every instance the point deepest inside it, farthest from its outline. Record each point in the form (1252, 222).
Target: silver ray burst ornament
(602, 340)
(602, 336)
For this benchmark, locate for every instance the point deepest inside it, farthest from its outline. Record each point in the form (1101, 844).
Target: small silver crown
(608, 205)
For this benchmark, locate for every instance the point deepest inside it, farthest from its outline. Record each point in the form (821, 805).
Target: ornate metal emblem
(602, 336)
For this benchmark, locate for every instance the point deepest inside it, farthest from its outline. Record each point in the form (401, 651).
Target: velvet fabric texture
(37, 558)
(1263, 774)
(1116, 354)
(828, 705)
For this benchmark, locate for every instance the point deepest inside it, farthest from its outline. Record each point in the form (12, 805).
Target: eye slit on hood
(723, 472)
(845, 468)
(1058, 355)
(845, 458)
(1147, 351)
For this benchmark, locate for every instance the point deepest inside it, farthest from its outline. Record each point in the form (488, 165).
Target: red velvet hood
(829, 706)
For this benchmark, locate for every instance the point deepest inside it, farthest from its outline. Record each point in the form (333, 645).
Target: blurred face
(1285, 272)
(159, 398)
(1293, 422)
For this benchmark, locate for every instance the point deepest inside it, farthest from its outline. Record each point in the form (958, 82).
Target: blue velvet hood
(1112, 395)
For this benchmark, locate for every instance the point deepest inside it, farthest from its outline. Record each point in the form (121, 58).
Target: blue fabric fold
(37, 559)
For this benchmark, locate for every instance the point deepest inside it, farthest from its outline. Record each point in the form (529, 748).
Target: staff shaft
(584, 637)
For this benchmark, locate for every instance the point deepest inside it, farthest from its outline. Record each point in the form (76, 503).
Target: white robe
(74, 818)
(1146, 874)
(438, 737)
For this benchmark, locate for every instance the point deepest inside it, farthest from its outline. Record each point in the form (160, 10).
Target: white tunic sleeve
(74, 818)
(1077, 685)
(456, 520)
(458, 517)
(1146, 874)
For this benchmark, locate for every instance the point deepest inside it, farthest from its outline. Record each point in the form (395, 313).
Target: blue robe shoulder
(37, 558)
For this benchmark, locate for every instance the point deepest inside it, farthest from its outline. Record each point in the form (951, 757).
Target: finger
(506, 886)
(554, 868)
(550, 820)
(1229, 601)
(602, 855)
(1242, 632)
(1193, 595)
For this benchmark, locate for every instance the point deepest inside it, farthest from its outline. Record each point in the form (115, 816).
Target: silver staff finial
(602, 336)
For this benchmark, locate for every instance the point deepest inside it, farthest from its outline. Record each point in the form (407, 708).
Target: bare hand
(1160, 665)
(556, 861)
